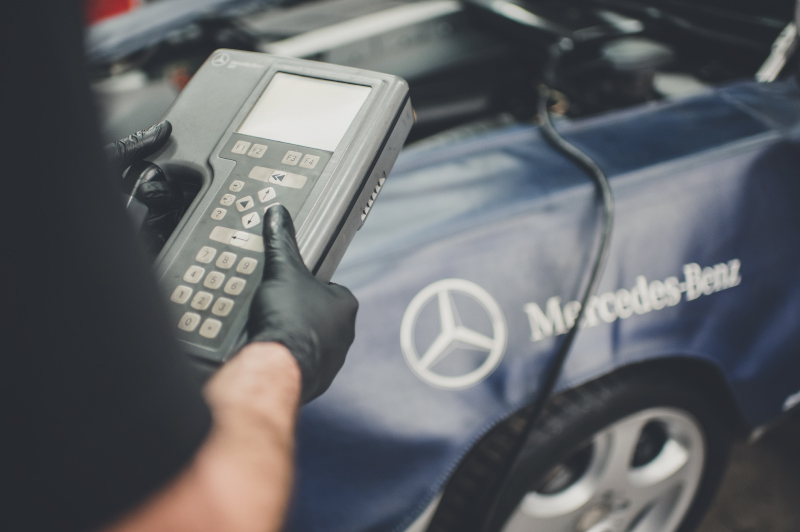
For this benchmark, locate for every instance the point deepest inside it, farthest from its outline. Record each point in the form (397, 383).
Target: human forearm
(240, 478)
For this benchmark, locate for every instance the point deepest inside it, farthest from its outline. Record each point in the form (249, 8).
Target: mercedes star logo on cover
(453, 334)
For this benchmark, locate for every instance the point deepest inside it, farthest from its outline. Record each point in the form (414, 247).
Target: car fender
(706, 196)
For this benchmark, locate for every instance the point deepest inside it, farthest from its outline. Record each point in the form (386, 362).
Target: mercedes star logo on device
(454, 339)
(220, 59)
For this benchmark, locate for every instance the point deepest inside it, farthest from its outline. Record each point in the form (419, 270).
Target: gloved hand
(147, 182)
(124, 152)
(314, 320)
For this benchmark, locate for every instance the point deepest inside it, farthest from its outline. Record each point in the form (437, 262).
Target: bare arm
(241, 477)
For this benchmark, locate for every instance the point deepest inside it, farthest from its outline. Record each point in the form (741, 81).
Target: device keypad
(210, 292)
(204, 300)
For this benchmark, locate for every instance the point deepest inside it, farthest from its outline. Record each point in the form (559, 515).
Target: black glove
(124, 152)
(314, 320)
(147, 182)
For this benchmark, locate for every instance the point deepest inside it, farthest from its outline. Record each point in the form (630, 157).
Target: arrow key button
(245, 203)
(251, 220)
(239, 239)
(287, 179)
(266, 194)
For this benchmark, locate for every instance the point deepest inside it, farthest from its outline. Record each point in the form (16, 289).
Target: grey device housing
(205, 120)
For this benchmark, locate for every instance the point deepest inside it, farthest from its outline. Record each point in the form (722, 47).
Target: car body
(706, 182)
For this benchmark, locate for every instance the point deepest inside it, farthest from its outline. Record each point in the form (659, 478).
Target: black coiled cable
(606, 225)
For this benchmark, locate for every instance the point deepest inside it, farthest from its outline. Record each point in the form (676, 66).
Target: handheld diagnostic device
(256, 130)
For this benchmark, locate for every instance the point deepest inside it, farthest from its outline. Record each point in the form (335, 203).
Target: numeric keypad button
(189, 321)
(194, 274)
(235, 286)
(181, 294)
(247, 266)
(206, 254)
(222, 307)
(210, 328)
(202, 300)
(214, 280)
(218, 213)
(236, 186)
(227, 199)
(226, 260)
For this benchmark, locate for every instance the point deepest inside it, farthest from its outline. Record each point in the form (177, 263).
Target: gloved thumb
(280, 244)
(160, 195)
(122, 153)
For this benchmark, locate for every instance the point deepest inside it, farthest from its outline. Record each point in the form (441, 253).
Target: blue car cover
(469, 269)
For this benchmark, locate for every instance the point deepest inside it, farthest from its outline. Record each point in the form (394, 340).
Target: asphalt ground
(761, 489)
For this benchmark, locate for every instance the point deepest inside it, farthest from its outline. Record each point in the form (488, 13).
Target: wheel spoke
(522, 521)
(669, 464)
(662, 476)
(659, 505)
(641, 498)
(623, 438)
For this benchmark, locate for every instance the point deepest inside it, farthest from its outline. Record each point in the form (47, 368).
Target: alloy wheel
(639, 474)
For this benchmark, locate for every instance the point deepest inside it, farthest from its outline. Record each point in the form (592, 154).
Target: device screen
(305, 111)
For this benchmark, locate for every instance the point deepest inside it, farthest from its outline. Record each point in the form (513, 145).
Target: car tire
(638, 450)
